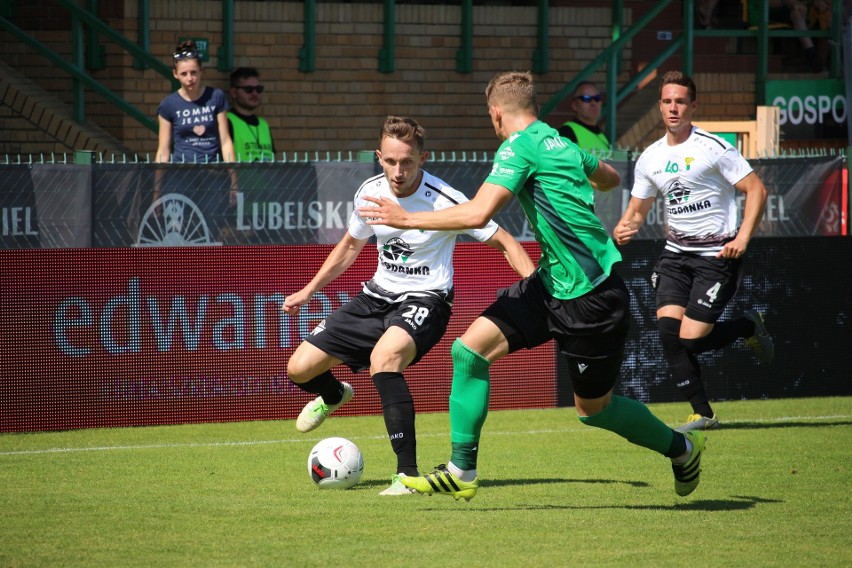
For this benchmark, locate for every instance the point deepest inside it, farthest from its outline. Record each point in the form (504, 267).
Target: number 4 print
(713, 291)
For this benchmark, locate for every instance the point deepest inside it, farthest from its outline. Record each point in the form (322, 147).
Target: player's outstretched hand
(732, 249)
(294, 301)
(383, 212)
(623, 234)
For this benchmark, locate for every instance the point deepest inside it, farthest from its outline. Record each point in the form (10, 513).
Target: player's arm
(473, 214)
(512, 250)
(339, 259)
(755, 203)
(633, 218)
(605, 177)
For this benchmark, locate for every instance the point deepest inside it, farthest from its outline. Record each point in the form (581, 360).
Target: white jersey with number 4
(412, 261)
(696, 179)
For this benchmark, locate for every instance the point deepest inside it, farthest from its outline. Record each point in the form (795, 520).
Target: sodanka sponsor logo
(691, 208)
(224, 322)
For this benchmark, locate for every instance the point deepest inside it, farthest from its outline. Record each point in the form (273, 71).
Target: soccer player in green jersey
(574, 297)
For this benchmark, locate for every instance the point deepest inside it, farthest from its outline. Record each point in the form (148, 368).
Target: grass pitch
(775, 491)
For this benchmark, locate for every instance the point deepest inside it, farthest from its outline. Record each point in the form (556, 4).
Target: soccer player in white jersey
(403, 311)
(698, 174)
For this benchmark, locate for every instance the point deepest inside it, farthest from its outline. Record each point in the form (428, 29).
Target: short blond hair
(512, 91)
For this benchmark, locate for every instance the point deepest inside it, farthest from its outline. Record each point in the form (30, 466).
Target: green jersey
(549, 175)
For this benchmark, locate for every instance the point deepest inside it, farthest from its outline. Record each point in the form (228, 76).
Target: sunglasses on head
(251, 88)
(186, 54)
(589, 98)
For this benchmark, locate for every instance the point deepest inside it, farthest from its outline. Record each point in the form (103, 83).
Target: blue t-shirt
(195, 131)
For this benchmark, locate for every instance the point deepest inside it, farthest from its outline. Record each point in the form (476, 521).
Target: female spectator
(193, 117)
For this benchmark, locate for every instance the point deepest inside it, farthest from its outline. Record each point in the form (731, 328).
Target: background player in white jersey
(699, 271)
(403, 311)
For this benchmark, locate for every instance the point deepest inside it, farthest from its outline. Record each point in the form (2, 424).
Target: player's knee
(296, 374)
(695, 345)
(669, 329)
(387, 362)
(297, 369)
(466, 360)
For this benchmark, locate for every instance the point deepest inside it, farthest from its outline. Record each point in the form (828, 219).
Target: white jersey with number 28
(413, 260)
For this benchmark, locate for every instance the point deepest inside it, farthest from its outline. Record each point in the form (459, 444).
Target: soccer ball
(335, 463)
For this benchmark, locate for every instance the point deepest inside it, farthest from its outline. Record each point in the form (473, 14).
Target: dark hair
(678, 78)
(240, 73)
(584, 84)
(186, 50)
(403, 129)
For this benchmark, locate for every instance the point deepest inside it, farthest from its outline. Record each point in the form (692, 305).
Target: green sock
(632, 420)
(468, 403)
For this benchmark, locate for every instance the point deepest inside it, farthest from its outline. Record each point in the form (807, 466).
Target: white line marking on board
(778, 420)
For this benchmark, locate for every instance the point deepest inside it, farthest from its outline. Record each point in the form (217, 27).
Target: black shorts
(702, 284)
(590, 330)
(350, 333)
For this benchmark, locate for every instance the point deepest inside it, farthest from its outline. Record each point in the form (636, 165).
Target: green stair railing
(76, 67)
(85, 46)
(612, 55)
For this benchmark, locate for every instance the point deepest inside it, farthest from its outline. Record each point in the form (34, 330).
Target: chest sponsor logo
(677, 193)
(674, 167)
(395, 253)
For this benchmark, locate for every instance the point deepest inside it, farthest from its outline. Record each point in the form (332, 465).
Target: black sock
(683, 366)
(678, 446)
(398, 411)
(693, 390)
(325, 385)
(723, 334)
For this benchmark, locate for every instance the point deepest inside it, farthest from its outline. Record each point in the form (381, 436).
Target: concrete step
(49, 114)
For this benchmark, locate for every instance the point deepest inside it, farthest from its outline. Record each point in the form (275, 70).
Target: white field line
(779, 420)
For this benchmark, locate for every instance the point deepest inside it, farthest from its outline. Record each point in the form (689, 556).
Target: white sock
(680, 460)
(463, 474)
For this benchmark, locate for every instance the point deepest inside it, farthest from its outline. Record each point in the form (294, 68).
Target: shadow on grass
(735, 503)
(509, 482)
(526, 482)
(744, 425)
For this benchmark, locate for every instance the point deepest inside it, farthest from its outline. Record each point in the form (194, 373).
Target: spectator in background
(819, 18)
(583, 130)
(250, 133)
(192, 122)
(705, 13)
(794, 13)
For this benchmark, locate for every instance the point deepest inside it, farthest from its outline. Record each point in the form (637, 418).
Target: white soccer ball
(335, 463)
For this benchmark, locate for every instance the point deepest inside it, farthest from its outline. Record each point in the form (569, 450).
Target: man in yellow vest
(250, 133)
(583, 131)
